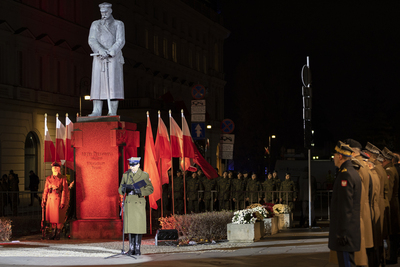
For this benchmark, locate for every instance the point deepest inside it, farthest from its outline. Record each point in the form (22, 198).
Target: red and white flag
(60, 136)
(206, 167)
(163, 151)
(176, 138)
(150, 166)
(69, 150)
(49, 149)
(187, 139)
(187, 147)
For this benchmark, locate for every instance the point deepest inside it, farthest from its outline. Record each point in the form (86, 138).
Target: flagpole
(172, 168)
(184, 168)
(56, 138)
(160, 168)
(44, 146)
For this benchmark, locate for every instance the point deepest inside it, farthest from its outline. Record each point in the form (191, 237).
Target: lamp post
(269, 151)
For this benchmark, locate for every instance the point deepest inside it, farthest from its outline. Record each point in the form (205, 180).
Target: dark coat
(55, 194)
(345, 210)
(135, 205)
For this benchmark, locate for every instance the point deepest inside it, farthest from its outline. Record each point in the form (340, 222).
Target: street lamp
(269, 151)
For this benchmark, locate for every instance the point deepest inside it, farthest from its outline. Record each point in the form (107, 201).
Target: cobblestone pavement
(292, 247)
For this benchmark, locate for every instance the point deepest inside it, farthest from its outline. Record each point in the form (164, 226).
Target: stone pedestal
(102, 145)
(271, 225)
(244, 232)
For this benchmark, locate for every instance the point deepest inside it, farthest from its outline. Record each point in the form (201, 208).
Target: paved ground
(293, 247)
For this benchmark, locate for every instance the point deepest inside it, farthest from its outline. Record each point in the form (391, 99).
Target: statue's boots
(138, 242)
(131, 250)
(113, 107)
(97, 107)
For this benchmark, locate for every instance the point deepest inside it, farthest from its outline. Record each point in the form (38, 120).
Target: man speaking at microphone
(136, 184)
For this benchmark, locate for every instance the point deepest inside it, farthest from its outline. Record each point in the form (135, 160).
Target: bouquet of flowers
(269, 207)
(281, 208)
(250, 215)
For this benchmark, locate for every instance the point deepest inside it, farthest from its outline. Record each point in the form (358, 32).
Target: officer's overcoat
(135, 206)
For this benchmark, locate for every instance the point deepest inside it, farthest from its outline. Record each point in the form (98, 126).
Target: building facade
(45, 67)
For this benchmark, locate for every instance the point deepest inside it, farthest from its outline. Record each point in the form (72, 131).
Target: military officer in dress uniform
(288, 197)
(394, 204)
(365, 255)
(384, 205)
(344, 228)
(55, 197)
(136, 184)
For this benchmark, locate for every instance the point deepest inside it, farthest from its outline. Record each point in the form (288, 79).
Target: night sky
(354, 52)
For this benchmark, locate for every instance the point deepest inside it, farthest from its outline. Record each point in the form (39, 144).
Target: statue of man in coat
(107, 38)
(136, 184)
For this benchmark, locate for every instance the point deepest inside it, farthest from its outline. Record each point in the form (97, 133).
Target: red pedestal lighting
(102, 145)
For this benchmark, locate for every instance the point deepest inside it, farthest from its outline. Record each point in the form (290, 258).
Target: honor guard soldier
(55, 195)
(177, 192)
(224, 185)
(252, 190)
(384, 207)
(268, 187)
(136, 184)
(288, 198)
(277, 184)
(209, 198)
(192, 193)
(344, 228)
(238, 188)
(393, 177)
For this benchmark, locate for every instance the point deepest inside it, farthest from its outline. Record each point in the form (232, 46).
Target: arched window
(31, 156)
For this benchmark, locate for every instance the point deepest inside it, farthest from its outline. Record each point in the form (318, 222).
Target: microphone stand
(123, 232)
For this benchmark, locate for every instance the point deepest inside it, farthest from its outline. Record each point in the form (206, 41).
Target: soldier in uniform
(224, 185)
(192, 193)
(394, 204)
(177, 195)
(107, 38)
(268, 186)
(238, 188)
(55, 196)
(288, 198)
(384, 206)
(365, 255)
(136, 184)
(252, 190)
(165, 195)
(209, 199)
(344, 229)
(277, 185)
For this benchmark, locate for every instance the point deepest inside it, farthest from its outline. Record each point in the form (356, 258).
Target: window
(156, 45)
(198, 61)
(190, 58)
(205, 64)
(165, 48)
(216, 55)
(174, 57)
(146, 38)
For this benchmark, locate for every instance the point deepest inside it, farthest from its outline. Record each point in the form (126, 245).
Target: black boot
(58, 233)
(52, 234)
(138, 242)
(131, 250)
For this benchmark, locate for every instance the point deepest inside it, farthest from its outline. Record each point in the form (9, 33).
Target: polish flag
(150, 166)
(187, 139)
(69, 151)
(208, 170)
(163, 151)
(60, 136)
(176, 138)
(49, 149)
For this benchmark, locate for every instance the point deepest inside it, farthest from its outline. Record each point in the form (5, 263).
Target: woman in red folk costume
(55, 200)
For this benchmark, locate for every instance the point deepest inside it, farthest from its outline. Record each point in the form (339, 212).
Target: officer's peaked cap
(134, 161)
(343, 149)
(387, 153)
